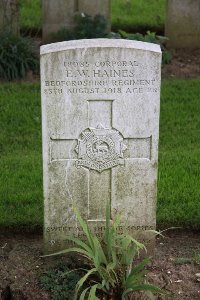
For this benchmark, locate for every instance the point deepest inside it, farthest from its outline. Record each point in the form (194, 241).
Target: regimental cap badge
(100, 148)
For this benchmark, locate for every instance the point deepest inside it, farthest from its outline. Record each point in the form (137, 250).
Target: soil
(185, 64)
(173, 267)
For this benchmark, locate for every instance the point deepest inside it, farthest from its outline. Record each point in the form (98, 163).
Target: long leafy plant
(18, 55)
(112, 270)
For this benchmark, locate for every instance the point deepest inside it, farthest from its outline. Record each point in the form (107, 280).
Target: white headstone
(182, 25)
(100, 115)
(61, 13)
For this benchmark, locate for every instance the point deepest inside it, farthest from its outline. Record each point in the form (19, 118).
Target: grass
(21, 198)
(30, 14)
(134, 15)
(179, 172)
(126, 14)
(20, 151)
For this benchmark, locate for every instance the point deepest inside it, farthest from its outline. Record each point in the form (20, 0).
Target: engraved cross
(100, 148)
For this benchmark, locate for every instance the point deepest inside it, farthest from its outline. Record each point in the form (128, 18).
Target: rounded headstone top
(104, 43)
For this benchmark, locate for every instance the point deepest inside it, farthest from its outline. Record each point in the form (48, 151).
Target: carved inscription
(109, 77)
(98, 231)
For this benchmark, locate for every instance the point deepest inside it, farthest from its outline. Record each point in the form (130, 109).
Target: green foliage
(166, 57)
(17, 56)
(150, 37)
(91, 27)
(87, 28)
(60, 281)
(112, 268)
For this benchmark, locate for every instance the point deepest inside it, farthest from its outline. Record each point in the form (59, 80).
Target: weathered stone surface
(9, 14)
(100, 115)
(61, 13)
(183, 23)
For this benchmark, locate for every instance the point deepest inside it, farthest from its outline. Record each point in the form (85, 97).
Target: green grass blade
(138, 268)
(134, 280)
(117, 221)
(71, 271)
(83, 294)
(78, 250)
(108, 233)
(83, 279)
(150, 295)
(92, 294)
(146, 287)
(99, 257)
(82, 244)
(85, 228)
(126, 292)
